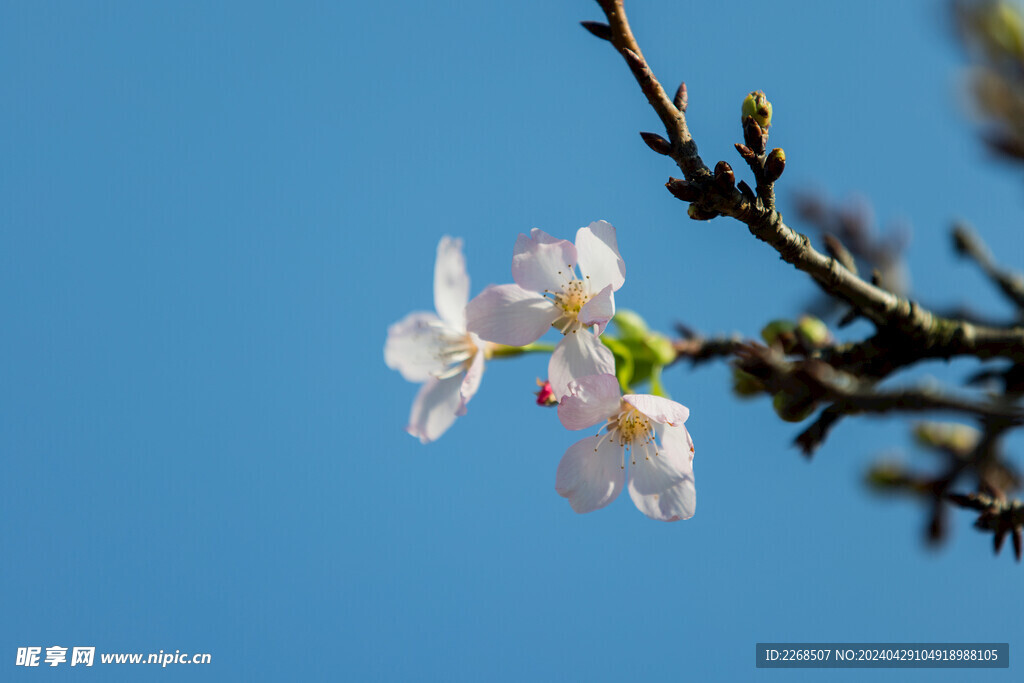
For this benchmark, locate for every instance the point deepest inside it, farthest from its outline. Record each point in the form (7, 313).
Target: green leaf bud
(773, 331)
(745, 385)
(793, 408)
(662, 349)
(813, 332)
(630, 325)
(757, 106)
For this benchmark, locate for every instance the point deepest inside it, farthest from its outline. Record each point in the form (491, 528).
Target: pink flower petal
(590, 475)
(435, 408)
(578, 355)
(662, 487)
(659, 409)
(451, 283)
(413, 347)
(508, 314)
(471, 383)
(542, 266)
(598, 310)
(599, 258)
(590, 400)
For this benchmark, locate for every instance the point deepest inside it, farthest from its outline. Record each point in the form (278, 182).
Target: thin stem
(969, 244)
(502, 351)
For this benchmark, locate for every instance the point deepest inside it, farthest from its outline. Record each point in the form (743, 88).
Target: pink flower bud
(546, 396)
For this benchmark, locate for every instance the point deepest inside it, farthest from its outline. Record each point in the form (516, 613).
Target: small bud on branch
(745, 189)
(681, 98)
(774, 165)
(724, 177)
(602, 31)
(657, 143)
(997, 541)
(745, 152)
(681, 189)
(813, 332)
(699, 213)
(794, 407)
(754, 135)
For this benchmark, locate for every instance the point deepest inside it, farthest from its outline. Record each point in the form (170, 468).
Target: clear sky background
(209, 214)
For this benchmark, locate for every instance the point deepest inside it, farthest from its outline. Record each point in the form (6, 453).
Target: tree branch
(930, 335)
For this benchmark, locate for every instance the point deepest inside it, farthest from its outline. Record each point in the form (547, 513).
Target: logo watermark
(55, 655)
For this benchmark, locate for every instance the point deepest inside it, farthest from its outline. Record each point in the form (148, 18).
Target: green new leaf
(623, 361)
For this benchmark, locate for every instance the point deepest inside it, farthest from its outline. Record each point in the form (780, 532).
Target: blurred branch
(970, 245)
(998, 515)
(815, 381)
(811, 438)
(800, 385)
(852, 235)
(994, 32)
(698, 349)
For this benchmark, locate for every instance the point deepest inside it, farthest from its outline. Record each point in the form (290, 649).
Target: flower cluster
(569, 287)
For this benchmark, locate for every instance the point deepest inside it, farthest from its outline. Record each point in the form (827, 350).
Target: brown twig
(684, 150)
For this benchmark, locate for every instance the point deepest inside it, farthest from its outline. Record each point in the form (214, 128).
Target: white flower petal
(508, 314)
(590, 400)
(677, 441)
(538, 235)
(676, 503)
(471, 383)
(414, 346)
(540, 265)
(579, 354)
(662, 487)
(451, 283)
(658, 408)
(598, 253)
(598, 310)
(435, 408)
(590, 478)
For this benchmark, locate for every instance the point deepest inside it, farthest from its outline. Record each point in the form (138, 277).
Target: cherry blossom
(548, 293)
(649, 428)
(437, 350)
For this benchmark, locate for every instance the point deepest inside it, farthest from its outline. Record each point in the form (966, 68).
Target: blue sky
(209, 215)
